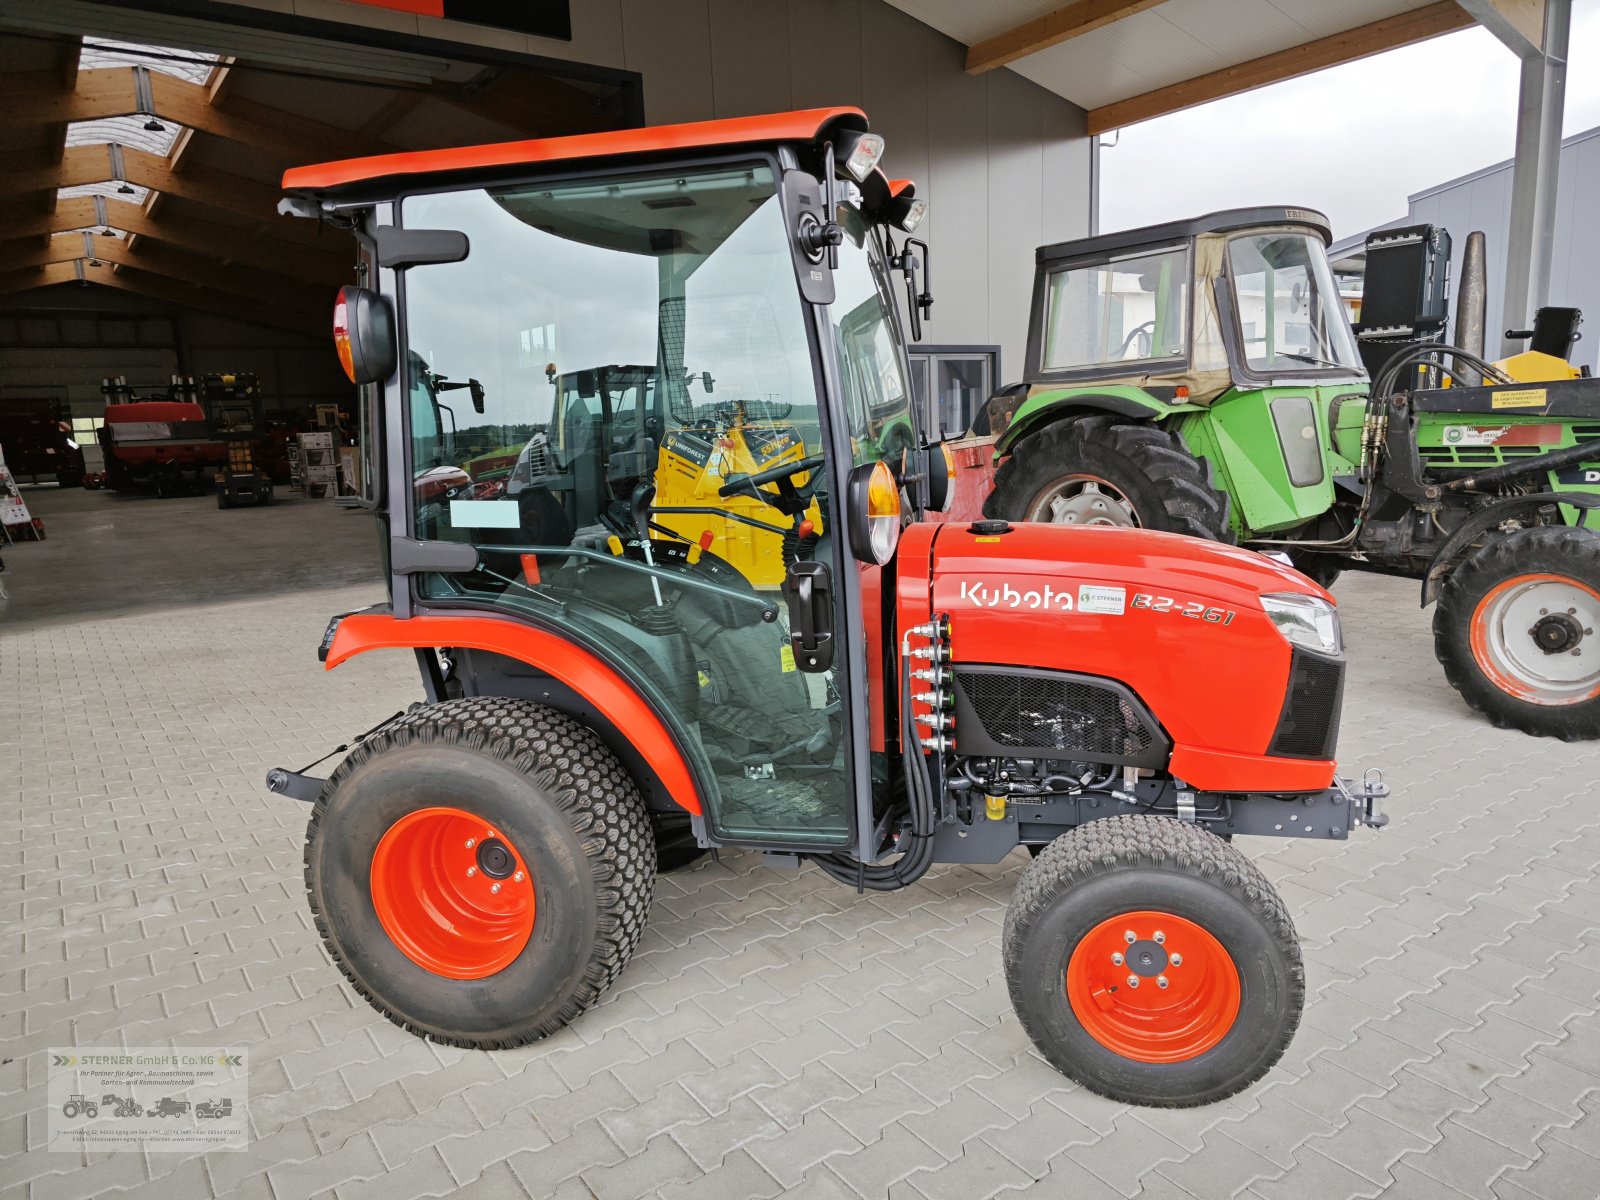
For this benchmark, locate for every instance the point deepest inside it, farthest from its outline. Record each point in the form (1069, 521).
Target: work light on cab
(861, 155)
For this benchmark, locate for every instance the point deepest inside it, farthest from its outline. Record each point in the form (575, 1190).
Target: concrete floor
(775, 1034)
(116, 554)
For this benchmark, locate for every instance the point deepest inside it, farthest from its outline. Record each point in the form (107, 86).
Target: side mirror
(363, 334)
(475, 390)
(919, 300)
(939, 470)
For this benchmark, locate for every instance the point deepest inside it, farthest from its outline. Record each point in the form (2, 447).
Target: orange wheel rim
(1185, 998)
(452, 893)
(1503, 638)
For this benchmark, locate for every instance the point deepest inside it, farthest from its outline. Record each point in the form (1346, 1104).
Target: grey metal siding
(1483, 201)
(1003, 162)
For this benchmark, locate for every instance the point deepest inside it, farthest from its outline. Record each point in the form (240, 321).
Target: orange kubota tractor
(606, 696)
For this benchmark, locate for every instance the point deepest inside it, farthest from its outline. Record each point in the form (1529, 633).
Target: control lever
(640, 511)
(808, 589)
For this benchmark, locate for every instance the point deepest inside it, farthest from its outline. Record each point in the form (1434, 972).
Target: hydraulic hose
(913, 864)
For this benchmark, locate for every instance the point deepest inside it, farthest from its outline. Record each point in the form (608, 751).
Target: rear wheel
(1515, 631)
(481, 870)
(1101, 471)
(1152, 962)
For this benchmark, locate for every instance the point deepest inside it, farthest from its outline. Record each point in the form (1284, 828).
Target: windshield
(871, 356)
(614, 398)
(1287, 305)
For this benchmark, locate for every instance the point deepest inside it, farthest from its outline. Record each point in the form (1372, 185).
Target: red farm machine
(607, 694)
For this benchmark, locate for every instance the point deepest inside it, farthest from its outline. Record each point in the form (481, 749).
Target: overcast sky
(1353, 141)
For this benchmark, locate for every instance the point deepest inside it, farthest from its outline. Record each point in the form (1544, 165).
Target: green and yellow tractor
(1204, 377)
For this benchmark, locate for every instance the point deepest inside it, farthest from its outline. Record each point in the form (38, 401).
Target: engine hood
(1067, 557)
(1176, 619)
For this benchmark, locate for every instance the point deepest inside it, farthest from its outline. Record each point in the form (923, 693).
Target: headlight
(1305, 621)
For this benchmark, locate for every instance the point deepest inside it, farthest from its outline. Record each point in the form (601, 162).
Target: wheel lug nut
(1177, 960)
(1129, 937)
(1116, 960)
(517, 878)
(1158, 937)
(495, 888)
(1133, 981)
(1161, 981)
(471, 871)
(471, 842)
(1544, 612)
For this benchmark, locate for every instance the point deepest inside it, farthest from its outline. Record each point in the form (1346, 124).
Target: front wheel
(1515, 631)
(1152, 962)
(481, 870)
(1102, 471)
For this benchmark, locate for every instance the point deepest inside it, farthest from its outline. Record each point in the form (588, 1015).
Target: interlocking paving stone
(776, 1034)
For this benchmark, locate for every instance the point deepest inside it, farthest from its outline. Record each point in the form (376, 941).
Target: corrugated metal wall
(1483, 201)
(1004, 162)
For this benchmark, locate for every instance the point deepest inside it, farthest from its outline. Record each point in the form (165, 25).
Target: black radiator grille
(1051, 714)
(1309, 725)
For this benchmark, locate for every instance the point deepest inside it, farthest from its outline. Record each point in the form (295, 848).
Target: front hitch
(1365, 798)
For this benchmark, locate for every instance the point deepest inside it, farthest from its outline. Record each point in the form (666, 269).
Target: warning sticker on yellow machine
(1521, 398)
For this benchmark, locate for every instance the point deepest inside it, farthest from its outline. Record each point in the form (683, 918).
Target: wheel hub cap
(1084, 500)
(1153, 986)
(1555, 634)
(1533, 637)
(452, 894)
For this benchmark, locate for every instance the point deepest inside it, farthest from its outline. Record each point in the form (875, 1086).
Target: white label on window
(1095, 598)
(485, 514)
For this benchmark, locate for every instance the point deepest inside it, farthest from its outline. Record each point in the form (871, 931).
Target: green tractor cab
(1203, 377)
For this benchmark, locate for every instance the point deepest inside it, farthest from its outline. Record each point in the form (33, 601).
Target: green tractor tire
(1517, 631)
(1103, 470)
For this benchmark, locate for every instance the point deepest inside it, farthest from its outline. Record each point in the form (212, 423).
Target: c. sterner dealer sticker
(1098, 598)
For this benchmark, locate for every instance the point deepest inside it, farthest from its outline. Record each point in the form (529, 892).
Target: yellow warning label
(983, 540)
(1521, 398)
(786, 657)
(705, 680)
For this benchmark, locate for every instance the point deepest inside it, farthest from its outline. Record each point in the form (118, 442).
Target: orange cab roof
(804, 125)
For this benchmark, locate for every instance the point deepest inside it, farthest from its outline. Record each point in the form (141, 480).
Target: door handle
(808, 589)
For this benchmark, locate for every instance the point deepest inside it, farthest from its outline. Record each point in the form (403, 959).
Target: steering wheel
(788, 493)
(1148, 328)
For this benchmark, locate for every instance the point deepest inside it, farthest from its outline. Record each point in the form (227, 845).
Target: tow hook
(1366, 798)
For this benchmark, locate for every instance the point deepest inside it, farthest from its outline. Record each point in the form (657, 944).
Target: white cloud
(1353, 141)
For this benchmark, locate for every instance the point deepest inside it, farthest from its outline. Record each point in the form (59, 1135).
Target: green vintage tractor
(1204, 377)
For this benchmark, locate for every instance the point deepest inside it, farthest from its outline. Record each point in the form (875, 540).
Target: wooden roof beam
(1064, 24)
(1404, 29)
(222, 244)
(167, 291)
(111, 92)
(185, 269)
(214, 189)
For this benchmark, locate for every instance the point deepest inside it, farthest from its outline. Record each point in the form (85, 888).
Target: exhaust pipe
(1472, 300)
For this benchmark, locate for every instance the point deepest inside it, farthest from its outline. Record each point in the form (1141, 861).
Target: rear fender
(586, 675)
(1046, 405)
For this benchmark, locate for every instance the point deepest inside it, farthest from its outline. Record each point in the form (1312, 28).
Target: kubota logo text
(989, 595)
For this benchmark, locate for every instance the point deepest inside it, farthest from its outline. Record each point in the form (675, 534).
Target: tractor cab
(1228, 328)
(1235, 300)
(659, 335)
